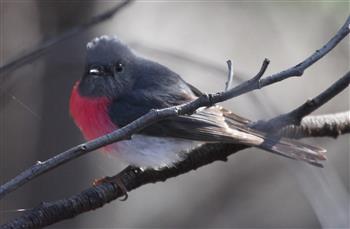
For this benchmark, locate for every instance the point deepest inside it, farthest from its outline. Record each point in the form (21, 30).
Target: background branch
(95, 197)
(38, 51)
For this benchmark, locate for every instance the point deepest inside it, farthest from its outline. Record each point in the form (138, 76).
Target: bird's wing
(214, 124)
(206, 124)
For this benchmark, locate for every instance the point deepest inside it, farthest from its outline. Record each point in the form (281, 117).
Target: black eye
(96, 70)
(119, 67)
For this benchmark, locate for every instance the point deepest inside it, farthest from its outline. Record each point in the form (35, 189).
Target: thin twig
(95, 197)
(196, 60)
(247, 86)
(38, 51)
(299, 69)
(229, 75)
(295, 116)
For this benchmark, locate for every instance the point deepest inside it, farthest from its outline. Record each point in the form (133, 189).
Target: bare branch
(38, 51)
(246, 86)
(295, 116)
(299, 69)
(229, 75)
(331, 125)
(95, 197)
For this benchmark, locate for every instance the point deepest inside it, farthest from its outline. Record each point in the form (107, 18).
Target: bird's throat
(91, 114)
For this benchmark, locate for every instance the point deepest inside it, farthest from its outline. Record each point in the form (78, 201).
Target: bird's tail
(294, 150)
(282, 146)
(278, 145)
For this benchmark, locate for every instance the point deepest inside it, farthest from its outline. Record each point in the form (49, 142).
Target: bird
(118, 86)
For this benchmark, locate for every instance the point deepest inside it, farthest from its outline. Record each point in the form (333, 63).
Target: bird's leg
(117, 179)
(114, 180)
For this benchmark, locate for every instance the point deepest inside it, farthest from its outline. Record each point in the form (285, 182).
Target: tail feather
(295, 150)
(282, 146)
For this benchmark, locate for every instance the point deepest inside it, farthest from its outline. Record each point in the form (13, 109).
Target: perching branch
(50, 212)
(157, 115)
(95, 197)
(331, 125)
(38, 51)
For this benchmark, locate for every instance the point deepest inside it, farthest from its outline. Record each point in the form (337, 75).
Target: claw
(114, 180)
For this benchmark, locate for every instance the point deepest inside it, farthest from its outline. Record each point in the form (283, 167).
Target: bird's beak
(94, 71)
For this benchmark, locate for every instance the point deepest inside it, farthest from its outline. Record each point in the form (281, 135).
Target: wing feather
(213, 124)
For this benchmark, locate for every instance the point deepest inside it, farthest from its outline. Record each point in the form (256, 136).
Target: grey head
(108, 69)
(113, 70)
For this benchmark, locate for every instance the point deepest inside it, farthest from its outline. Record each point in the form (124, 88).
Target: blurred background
(253, 189)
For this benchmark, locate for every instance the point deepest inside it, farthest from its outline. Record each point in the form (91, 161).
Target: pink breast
(90, 114)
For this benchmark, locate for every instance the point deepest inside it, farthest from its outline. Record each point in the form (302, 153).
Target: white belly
(152, 152)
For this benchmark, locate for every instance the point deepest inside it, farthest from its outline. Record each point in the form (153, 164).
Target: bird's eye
(96, 70)
(119, 67)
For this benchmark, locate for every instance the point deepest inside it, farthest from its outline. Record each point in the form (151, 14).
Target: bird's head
(108, 72)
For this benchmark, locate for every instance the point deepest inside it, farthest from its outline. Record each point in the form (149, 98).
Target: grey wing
(214, 124)
(206, 124)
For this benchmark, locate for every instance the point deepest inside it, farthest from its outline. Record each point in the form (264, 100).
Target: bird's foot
(114, 180)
